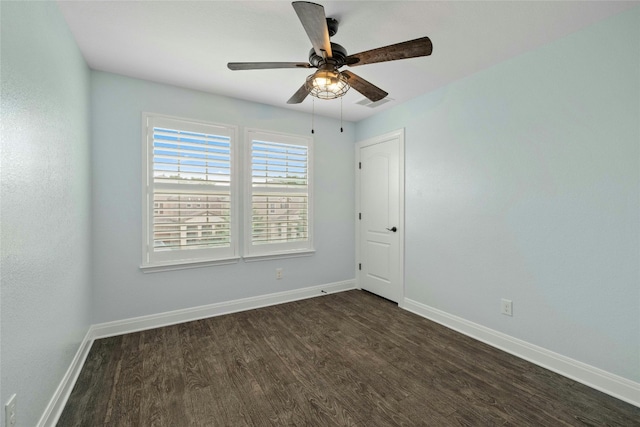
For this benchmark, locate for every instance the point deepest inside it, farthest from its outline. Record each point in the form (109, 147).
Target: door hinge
(360, 215)
(359, 165)
(360, 266)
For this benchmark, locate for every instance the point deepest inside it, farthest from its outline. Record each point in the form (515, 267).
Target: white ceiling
(188, 43)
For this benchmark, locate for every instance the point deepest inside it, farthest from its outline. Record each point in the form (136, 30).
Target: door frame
(399, 134)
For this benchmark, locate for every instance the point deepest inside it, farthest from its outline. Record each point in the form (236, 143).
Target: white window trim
(231, 255)
(186, 264)
(279, 255)
(276, 251)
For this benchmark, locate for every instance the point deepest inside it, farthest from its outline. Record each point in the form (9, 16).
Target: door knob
(394, 229)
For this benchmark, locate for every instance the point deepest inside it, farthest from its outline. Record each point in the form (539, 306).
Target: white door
(381, 215)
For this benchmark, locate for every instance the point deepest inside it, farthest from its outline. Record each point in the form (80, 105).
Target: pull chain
(313, 112)
(341, 115)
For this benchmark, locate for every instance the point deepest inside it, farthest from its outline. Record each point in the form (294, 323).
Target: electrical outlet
(278, 273)
(507, 307)
(10, 412)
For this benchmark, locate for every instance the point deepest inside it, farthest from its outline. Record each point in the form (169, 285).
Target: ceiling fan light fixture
(328, 57)
(327, 84)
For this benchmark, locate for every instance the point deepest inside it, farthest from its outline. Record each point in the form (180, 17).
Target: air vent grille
(368, 103)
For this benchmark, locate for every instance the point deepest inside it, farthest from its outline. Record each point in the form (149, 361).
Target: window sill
(267, 257)
(181, 265)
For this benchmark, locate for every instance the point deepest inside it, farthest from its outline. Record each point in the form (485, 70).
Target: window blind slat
(179, 221)
(174, 157)
(182, 148)
(172, 134)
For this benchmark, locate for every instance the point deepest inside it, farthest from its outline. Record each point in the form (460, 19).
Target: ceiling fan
(328, 82)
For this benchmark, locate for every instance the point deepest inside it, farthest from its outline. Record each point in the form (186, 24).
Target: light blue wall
(45, 211)
(121, 289)
(522, 182)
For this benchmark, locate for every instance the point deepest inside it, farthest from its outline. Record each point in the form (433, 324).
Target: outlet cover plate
(506, 307)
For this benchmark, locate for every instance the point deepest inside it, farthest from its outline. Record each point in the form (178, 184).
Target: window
(278, 205)
(189, 185)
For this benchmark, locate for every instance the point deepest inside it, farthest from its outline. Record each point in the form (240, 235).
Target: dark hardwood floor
(347, 359)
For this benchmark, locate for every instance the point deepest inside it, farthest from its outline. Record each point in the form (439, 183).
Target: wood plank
(255, 409)
(343, 369)
(88, 402)
(275, 379)
(298, 357)
(162, 401)
(123, 408)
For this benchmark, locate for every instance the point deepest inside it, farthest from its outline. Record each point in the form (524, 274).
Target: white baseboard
(606, 382)
(120, 327)
(56, 404)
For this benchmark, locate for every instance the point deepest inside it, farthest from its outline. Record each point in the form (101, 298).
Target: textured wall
(122, 290)
(523, 182)
(45, 204)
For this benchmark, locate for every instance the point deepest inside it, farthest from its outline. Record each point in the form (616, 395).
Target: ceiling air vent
(367, 103)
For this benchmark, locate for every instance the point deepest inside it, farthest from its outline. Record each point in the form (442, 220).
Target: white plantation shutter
(279, 217)
(189, 189)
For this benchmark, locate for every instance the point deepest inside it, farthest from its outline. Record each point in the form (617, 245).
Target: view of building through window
(190, 220)
(279, 218)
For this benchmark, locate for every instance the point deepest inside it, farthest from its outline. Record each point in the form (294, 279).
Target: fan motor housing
(339, 56)
(332, 26)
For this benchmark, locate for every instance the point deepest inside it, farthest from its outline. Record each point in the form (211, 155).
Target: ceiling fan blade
(314, 21)
(266, 65)
(404, 50)
(371, 91)
(299, 96)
